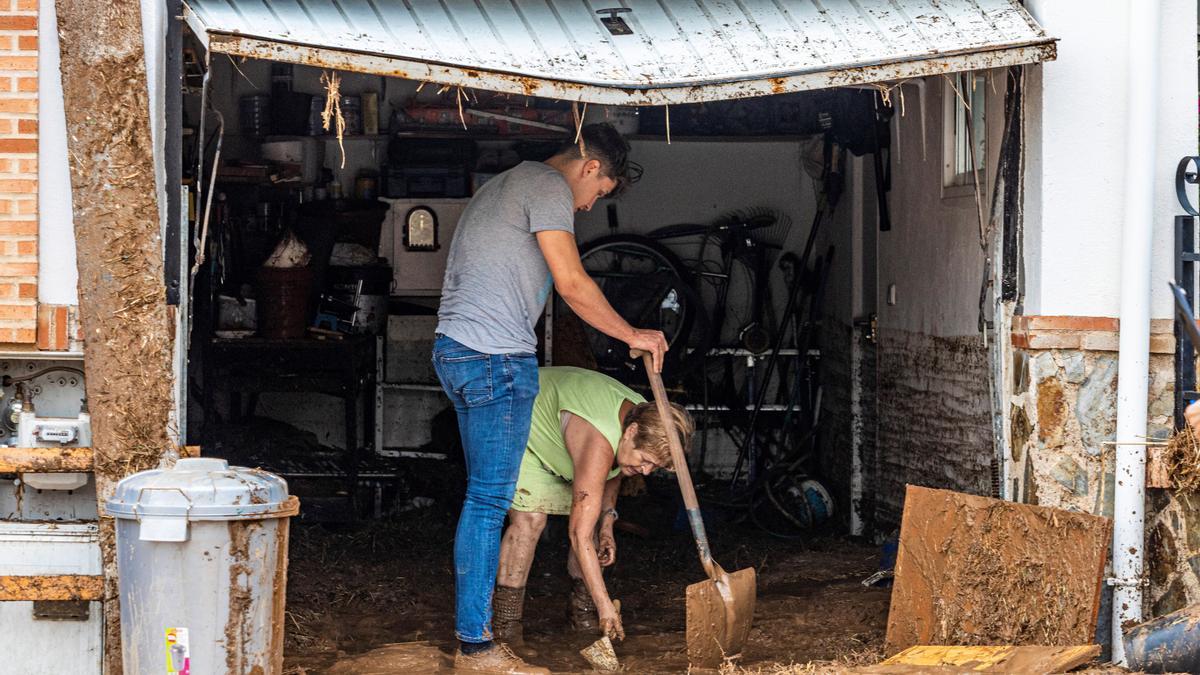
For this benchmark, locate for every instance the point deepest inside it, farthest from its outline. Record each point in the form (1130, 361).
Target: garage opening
(821, 262)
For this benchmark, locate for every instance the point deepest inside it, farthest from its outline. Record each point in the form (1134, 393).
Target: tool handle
(679, 459)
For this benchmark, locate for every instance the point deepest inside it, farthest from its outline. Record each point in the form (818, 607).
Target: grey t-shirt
(497, 281)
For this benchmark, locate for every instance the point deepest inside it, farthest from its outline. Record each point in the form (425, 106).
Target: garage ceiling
(630, 52)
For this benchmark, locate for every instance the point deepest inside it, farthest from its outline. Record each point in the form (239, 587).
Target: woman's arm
(592, 457)
(608, 515)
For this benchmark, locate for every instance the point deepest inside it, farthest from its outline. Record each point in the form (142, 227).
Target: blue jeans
(493, 396)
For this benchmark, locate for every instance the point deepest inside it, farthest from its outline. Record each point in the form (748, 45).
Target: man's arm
(585, 298)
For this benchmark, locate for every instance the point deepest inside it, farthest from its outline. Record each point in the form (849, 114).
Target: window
(966, 102)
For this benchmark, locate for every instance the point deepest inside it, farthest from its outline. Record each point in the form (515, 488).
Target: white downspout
(1134, 357)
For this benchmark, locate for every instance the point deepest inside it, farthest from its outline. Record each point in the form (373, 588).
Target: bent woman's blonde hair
(651, 435)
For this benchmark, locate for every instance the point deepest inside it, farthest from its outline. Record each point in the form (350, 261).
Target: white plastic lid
(202, 488)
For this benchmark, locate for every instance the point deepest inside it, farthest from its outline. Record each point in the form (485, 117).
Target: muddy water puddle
(382, 601)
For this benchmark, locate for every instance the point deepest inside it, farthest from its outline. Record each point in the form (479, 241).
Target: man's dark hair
(603, 143)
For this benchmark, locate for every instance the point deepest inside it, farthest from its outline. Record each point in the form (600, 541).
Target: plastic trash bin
(202, 559)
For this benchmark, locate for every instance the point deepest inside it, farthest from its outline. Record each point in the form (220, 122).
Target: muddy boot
(583, 610)
(508, 610)
(498, 659)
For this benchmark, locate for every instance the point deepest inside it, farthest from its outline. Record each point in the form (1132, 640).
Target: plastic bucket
(202, 562)
(283, 300)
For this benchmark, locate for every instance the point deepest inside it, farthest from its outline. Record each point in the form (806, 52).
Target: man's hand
(607, 546)
(652, 341)
(1192, 413)
(610, 621)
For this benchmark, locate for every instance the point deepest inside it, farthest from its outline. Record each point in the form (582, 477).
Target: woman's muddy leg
(517, 549)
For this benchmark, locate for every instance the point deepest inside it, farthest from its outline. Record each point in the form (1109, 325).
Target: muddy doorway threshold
(354, 591)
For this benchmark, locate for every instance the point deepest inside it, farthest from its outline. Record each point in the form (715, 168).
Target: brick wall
(18, 171)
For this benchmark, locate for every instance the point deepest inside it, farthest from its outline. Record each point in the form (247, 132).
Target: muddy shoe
(584, 618)
(498, 660)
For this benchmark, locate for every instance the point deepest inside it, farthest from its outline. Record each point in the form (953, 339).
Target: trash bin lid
(202, 488)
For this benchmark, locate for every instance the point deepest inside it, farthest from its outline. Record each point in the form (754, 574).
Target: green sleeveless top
(593, 396)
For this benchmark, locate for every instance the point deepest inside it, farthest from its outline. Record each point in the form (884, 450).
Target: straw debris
(1183, 460)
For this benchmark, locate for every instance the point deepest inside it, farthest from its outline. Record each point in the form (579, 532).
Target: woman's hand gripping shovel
(720, 609)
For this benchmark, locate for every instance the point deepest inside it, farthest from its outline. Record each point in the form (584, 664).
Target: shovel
(720, 609)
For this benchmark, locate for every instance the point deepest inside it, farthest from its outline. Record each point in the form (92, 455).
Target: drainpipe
(1133, 367)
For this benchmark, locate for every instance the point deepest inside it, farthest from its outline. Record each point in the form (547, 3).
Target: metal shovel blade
(719, 613)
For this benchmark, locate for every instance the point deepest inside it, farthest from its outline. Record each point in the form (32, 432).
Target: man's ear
(591, 167)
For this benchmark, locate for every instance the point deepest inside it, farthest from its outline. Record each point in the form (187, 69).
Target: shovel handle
(679, 459)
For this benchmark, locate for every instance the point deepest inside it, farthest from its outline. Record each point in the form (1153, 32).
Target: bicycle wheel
(646, 284)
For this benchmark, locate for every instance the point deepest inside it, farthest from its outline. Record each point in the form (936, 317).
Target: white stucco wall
(932, 255)
(154, 31)
(1075, 168)
(57, 275)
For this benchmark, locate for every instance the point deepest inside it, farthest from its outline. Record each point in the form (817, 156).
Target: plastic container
(352, 113)
(55, 636)
(283, 301)
(202, 559)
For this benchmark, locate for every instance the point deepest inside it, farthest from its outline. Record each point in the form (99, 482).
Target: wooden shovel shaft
(680, 460)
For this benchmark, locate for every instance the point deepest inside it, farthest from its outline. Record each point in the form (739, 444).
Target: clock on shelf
(421, 229)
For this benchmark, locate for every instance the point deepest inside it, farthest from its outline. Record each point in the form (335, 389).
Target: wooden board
(61, 587)
(45, 460)
(978, 571)
(1006, 659)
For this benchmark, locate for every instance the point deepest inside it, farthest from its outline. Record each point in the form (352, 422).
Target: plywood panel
(978, 571)
(996, 659)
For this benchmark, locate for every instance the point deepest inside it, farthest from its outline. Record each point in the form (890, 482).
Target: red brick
(1166, 326)
(18, 269)
(18, 227)
(18, 185)
(18, 22)
(8, 43)
(27, 85)
(52, 327)
(27, 291)
(27, 247)
(61, 323)
(16, 145)
(29, 166)
(18, 63)
(1079, 323)
(17, 312)
(27, 126)
(26, 207)
(1162, 344)
(20, 106)
(8, 291)
(7, 126)
(27, 5)
(27, 43)
(17, 335)
(1052, 340)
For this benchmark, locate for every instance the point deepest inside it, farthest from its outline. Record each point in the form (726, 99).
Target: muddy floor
(353, 592)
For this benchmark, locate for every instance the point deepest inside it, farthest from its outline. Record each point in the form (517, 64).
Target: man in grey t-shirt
(515, 242)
